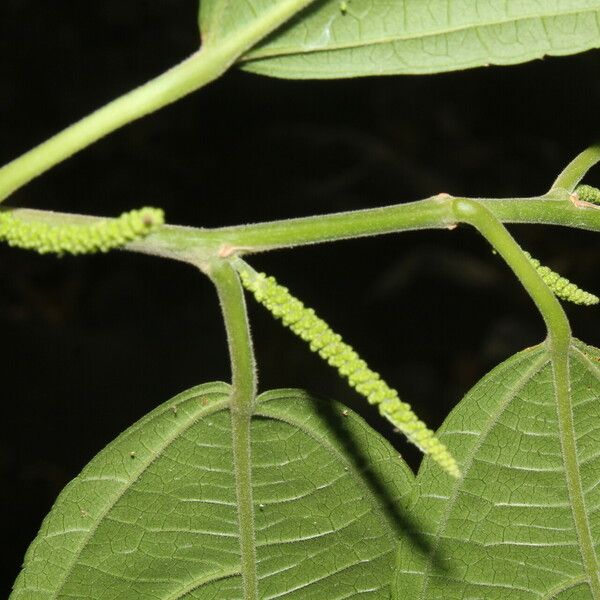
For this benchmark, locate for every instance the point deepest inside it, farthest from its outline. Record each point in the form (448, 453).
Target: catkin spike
(101, 236)
(587, 193)
(561, 287)
(329, 345)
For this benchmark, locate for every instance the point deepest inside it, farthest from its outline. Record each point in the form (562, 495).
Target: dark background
(91, 344)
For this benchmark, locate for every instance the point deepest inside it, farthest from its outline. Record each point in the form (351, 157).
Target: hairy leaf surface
(349, 38)
(509, 528)
(154, 514)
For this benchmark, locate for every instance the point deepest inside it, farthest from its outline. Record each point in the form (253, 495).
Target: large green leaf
(515, 526)
(349, 38)
(154, 515)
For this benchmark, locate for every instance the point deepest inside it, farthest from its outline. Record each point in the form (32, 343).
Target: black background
(91, 344)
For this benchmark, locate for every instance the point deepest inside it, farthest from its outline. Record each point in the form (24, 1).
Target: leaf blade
(509, 526)
(415, 37)
(162, 523)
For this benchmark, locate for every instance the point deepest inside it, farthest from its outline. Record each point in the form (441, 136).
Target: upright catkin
(329, 345)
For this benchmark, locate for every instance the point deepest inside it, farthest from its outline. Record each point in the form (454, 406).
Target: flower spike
(100, 236)
(562, 287)
(587, 193)
(329, 345)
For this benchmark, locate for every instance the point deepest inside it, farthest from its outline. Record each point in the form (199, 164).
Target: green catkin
(587, 193)
(102, 236)
(329, 345)
(561, 287)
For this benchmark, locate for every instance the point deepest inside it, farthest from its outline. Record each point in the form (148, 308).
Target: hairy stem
(198, 245)
(193, 73)
(478, 215)
(243, 380)
(575, 171)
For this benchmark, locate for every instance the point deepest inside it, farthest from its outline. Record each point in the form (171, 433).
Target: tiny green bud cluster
(329, 345)
(587, 193)
(101, 236)
(561, 287)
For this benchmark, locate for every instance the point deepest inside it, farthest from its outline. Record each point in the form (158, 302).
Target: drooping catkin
(329, 345)
(562, 287)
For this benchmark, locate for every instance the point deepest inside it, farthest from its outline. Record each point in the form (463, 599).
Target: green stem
(243, 394)
(198, 246)
(478, 215)
(193, 73)
(551, 209)
(575, 171)
(423, 214)
(430, 213)
(559, 338)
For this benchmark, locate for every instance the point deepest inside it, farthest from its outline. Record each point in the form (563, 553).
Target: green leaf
(154, 514)
(513, 527)
(352, 38)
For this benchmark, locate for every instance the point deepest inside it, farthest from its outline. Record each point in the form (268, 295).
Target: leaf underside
(508, 528)
(336, 39)
(154, 514)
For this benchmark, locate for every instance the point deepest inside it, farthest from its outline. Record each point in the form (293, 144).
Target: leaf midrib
(281, 52)
(574, 485)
